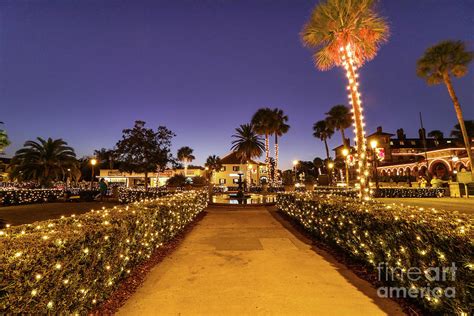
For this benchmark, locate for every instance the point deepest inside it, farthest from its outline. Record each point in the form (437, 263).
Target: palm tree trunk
(275, 172)
(343, 138)
(327, 160)
(146, 180)
(267, 155)
(359, 127)
(457, 108)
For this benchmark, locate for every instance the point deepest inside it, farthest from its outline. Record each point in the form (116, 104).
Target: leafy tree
(178, 180)
(436, 134)
(263, 122)
(438, 64)
(339, 118)
(199, 181)
(318, 164)
(43, 161)
(4, 142)
(279, 128)
(457, 133)
(347, 33)
(143, 150)
(185, 155)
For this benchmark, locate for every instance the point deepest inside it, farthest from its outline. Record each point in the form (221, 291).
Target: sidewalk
(244, 261)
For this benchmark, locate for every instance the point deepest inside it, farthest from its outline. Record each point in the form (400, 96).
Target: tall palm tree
(457, 133)
(339, 118)
(323, 131)
(279, 128)
(43, 161)
(4, 142)
(347, 33)
(437, 65)
(213, 163)
(248, 144)
(185, 155)
(263, 122)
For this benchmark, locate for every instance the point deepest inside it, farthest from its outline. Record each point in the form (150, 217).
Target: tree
(436, 134)
(213, 163)
(143, 150)
(185, 154)
(279, 128)
(339, 118)
(323, 131)
(43, 161)
(4, 141)
(106, 157)
(263, 122)
(347, 33)
(437, 65)
(318, 164)
(247, 144)
(457, 133)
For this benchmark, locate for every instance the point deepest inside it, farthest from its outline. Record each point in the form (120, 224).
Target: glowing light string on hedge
(349, 63)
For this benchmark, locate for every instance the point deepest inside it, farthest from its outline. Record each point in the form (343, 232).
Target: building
(398, 155)
(138, 179)
(4, 162)
(228, 176)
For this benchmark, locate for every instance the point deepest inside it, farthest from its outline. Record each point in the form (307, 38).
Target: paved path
(241, 262)
(462, 205)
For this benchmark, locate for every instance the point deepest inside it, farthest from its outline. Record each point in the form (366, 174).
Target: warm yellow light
(345, 152)
(295, 162)
(373, 144)
(207, 168)
(93, 161)
(330, 165)
(455, 158)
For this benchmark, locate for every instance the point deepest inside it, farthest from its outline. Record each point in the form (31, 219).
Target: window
(235, 168)
(236, 181)
(223, 168)
(221, 181)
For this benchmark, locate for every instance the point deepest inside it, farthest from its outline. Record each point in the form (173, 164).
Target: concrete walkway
(249, 261)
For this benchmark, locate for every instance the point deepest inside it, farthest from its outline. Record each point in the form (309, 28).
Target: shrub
(128, 195)
(177, 180)
(70, 265)
(410, 192)
(28, 196)
(401, 237)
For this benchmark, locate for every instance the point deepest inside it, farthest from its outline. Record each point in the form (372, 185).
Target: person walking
(102, 189)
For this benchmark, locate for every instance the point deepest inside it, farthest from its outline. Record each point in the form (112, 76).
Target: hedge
(70, 265)
(28, 196)
(402, 237)
(410, 192)
(128, 195)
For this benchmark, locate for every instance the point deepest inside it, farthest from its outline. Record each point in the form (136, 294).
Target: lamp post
(330, 166)
(68, 177)
(93, 163)
(345, 153)
(295, 164)
(373, 144)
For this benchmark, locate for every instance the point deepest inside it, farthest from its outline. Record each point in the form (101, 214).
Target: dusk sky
(84, 70)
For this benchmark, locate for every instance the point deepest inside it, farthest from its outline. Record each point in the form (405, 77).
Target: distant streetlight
(345, 153)
(68, 177)
(295, 164)
(93, 163)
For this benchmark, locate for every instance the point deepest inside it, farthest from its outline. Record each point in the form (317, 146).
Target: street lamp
(295, 163)
(93, 163)
(373, 144)
(68, 177)
(345, 153)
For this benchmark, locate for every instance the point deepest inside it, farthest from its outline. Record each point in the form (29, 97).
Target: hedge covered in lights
(410, 192)
(28, 196)
(401, 237)
(70, 265)
(129, 195)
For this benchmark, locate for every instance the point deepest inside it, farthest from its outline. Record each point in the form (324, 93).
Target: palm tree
(4, 142)
(438, 64)
(185, 155)
(318, 164)
(213, 163)
(323, 131)
(347, 33)
(247, 144)
(106, 157)
(280, 128)
(436, 134)
(339, 118)
(43, 161)
(263, 122)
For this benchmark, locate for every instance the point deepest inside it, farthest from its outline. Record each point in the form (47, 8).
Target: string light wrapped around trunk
(349, 63)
